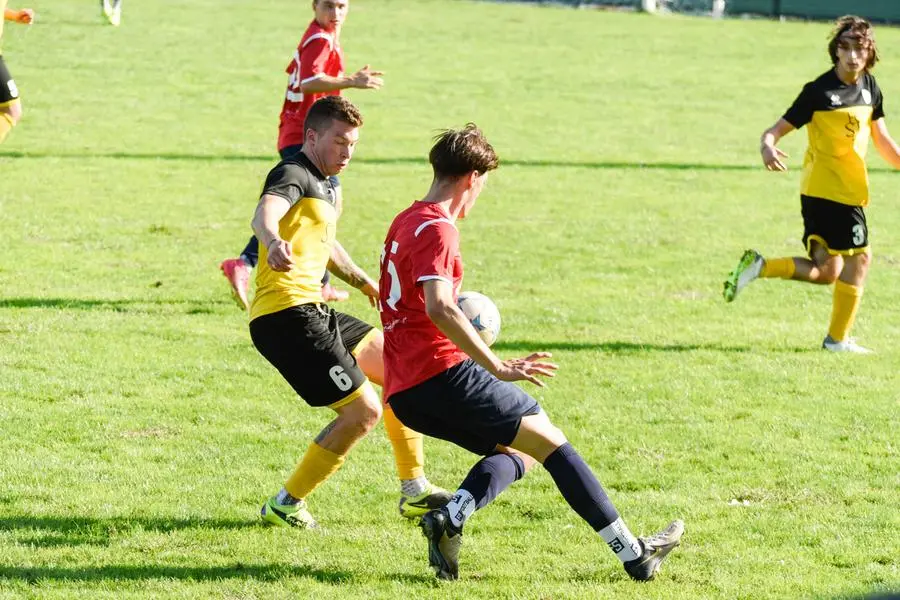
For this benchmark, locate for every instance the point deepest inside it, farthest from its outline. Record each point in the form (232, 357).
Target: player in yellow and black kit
(841, 110)
(10, 105)
(328, 357)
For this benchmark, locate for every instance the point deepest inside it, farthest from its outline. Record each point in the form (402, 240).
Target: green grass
(140, 431)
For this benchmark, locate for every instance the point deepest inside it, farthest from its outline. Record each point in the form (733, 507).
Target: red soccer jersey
(318, 54)
(421, 244)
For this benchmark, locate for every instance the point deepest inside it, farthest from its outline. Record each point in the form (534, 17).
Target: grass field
(140, 431)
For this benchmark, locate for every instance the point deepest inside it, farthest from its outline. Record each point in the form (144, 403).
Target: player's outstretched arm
(447, 317)
(25, 15)
(269, 212)
(771, 154)
(885, 144)
(364, 79)
(345, 269)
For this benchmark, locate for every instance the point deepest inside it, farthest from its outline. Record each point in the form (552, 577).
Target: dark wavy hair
(851, 27)
(460, 151)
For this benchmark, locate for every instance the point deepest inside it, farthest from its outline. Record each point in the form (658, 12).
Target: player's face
(334, 147)
(852, 56)
(330, 14)
(474, 192)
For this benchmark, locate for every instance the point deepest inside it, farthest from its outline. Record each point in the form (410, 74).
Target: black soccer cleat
(444, 541)
(656, 548)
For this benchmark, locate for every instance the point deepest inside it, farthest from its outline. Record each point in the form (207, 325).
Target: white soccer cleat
(747, 269)
(848, 345)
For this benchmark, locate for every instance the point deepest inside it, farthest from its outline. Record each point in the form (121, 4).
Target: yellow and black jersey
(838, 117)
(309, 226)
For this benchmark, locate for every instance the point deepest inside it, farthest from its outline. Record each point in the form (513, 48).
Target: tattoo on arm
(344, 268)
(324, 433)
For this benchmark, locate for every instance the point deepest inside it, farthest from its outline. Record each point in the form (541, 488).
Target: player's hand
(527, 369)
(370, 289)
(25, 16)
(367, 79)
(279, 255)
(771, 156)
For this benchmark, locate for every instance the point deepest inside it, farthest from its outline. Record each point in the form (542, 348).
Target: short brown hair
(460, 151)
(329, 109)
(857, 29)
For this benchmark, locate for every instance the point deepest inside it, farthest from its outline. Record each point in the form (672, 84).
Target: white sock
(414, 487)
(284, 498)
(620, 540)
(461, 507)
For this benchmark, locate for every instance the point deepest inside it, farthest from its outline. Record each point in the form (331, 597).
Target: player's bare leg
(322, 459)
(9, 117)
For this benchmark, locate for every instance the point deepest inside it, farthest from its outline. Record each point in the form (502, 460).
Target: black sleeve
(288, 181)
(801, 111)
(877, 102)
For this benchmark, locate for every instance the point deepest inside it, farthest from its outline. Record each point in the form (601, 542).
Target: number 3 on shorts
(340, 378)
(859, 234)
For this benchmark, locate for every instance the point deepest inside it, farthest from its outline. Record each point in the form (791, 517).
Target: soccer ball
(482, 314)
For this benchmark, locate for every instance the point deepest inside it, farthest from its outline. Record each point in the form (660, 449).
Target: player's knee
(830, 271)
(13, 111)
(368, 413)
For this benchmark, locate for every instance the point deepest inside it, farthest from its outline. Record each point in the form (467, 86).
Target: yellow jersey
(309, 225)
(838, 118)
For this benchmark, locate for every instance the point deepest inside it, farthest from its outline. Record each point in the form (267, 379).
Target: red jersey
(318, 54)
(422, 244)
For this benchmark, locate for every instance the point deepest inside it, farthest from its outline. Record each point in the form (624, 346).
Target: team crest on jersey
(866, 96)
(835, 100)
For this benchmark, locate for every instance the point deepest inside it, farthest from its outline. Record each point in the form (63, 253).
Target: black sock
(490, 476)
(580, 487)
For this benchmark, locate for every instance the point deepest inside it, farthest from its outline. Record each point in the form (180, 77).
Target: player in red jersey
(316, 70)
(442, 380)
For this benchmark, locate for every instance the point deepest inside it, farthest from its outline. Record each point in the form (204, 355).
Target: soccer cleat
(656, 548)
(444, 542)
(237, 272)
(291, 515)
(332, 294)
(432, 498)
(112, 12)
(748, 269)
(848, 345)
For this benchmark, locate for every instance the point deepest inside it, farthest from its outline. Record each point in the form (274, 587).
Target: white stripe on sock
(461, 507)
(619, 539)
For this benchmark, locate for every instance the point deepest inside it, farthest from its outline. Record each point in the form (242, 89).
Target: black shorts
(312, 347)
(8, 89)
(841, 228)
(465, 405)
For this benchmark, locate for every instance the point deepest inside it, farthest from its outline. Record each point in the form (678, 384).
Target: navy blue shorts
(465, 405)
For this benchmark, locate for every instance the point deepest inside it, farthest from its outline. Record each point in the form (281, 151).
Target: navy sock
(580, 487)
(251, 252)
(490, 476)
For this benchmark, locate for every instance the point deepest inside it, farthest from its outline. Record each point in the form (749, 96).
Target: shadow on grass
(262, 572)
(626, 347)
(124, 305)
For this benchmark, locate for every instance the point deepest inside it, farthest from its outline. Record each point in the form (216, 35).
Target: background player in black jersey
(841, 109)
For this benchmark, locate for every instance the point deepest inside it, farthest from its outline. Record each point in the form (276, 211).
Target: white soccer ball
(482, 313)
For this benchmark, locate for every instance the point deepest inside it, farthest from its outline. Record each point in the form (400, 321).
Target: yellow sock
(843, 310)
(6, 125)
(409, 452)
(778, 267)
(317, 465)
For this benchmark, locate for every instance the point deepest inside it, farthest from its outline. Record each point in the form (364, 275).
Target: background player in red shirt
(316, 70)
(442, 380)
